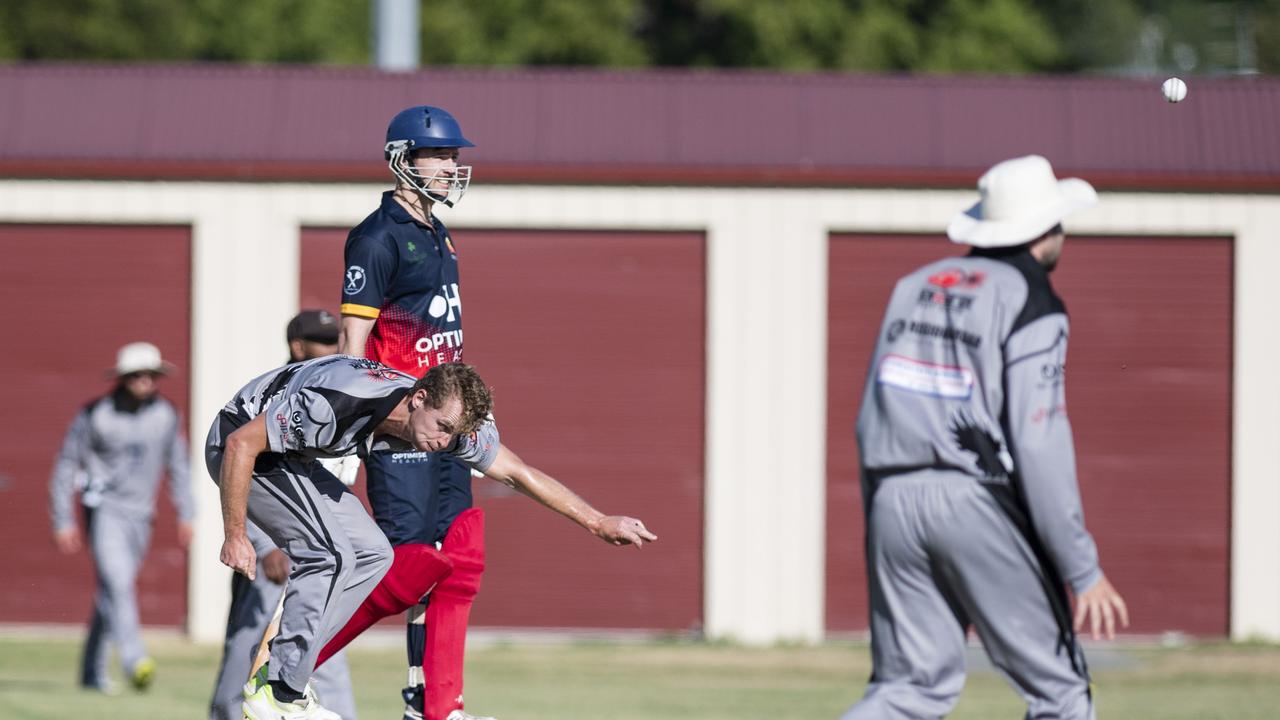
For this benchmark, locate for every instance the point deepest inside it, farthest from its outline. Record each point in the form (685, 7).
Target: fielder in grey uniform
(261, 450)
(973, 513)
(114, 453)
(310, 334)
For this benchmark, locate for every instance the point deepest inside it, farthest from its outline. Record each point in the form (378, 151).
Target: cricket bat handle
(273, 627)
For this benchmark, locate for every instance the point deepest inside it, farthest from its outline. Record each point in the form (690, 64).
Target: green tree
(1004, 36)
(1094, 35)
(1266, 17)
(125, 30)
(747, 33)
(98, 30)
(291, 31)
(532, 32)
(941, 36)
(1159, 36)
(933, 35)
(882, 37)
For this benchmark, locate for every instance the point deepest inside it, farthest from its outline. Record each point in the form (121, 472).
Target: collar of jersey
(123, 402)
(1018, 256)
(396, 211)
(380, 413)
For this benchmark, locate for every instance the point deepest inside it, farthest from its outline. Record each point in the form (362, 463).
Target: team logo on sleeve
(354, 281)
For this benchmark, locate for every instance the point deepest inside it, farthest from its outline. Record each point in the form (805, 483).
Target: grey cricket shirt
(330, 407)
(969, 374)
(114, 452)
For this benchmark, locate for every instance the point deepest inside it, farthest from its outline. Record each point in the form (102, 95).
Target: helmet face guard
(442, 186)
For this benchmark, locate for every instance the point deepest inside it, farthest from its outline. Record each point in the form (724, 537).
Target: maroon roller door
(1150, 402)
(594, 345)
(79, 292)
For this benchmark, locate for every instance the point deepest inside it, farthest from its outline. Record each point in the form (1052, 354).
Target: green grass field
(590, 681)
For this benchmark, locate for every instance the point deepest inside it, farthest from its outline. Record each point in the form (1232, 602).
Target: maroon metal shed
(685, 127)
(725, 128)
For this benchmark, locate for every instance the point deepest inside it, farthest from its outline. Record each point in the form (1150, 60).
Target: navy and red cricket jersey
(404, 274)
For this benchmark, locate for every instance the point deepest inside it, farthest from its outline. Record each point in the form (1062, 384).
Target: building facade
(681, 271)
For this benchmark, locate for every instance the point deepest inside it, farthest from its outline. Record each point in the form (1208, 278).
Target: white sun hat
(140, 357)
(1020, 200)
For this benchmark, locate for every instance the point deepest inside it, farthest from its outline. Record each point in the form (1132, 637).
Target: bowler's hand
(623, 530)
(237, 554)
(185, 532)
(275, 565)
(67, 540)
(1101, 604)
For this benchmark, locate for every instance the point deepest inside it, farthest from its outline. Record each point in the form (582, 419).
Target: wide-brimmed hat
(140, 357)
(1020, 200)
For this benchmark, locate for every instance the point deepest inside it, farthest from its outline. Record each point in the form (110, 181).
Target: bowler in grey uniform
(113, 453)
(310, 334)
(973, 513)
(261, 451)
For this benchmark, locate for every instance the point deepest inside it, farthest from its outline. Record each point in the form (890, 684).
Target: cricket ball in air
(1174, 90)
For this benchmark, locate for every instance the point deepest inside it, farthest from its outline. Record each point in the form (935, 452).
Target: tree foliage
(294, 31)
(532, 32)
(943, 36)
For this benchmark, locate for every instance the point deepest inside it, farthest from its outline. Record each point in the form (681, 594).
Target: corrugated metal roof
(635, 126)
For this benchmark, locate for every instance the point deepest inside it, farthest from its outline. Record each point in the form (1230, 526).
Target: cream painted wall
(244, 277)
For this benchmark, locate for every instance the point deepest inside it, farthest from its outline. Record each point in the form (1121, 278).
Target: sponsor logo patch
(1050, 412)
(446, 302)
(956, 278)
(409, 457)
(930, 330)
(942, 299)
(925, 378)
(1053, 372)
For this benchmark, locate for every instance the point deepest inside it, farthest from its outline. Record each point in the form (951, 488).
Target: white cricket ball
(1174, 90)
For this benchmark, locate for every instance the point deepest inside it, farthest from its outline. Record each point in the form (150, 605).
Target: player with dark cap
(401, 306)
(312, 334)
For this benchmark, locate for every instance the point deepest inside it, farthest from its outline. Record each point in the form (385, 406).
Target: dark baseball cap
(314, 325)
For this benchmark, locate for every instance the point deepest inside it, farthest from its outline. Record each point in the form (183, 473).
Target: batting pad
(448, 611)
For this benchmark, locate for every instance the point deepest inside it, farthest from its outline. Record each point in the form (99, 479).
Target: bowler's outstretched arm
(510, 470)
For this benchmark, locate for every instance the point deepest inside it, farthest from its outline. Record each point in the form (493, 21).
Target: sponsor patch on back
(926, 378)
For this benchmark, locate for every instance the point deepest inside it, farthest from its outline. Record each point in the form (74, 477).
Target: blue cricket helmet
(423, 126)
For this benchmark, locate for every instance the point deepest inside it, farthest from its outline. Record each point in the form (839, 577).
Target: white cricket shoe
(262, 705)
(463, 715)
(309, 693)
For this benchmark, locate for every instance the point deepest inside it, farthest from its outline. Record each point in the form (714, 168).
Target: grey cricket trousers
(942, 554)
(337, 553)
(119, 544)
(252, 604)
